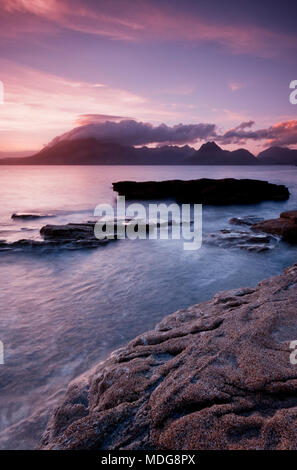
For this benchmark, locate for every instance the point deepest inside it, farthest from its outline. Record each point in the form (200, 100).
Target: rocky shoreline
(285, 226)
(217, 375)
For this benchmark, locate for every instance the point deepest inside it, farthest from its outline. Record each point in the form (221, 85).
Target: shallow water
(62, 311)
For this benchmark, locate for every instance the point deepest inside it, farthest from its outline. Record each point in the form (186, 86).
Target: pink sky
(153, 61)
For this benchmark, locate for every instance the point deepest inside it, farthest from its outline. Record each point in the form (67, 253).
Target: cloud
(282, 133)
(142, 20)
(85, 119)
(131, 132)
(235, 85)
(39, 105)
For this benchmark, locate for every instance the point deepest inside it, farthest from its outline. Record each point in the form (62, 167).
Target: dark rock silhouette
(91, 151)
(214, 376)
(94, 152)
(29, 216)
(204, 191)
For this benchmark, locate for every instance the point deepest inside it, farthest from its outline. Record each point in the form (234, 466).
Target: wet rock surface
(82, 235)
(71, 231)
(248, 220)
(214, 376)
(205, 191)
(285, 226)
(86, 231)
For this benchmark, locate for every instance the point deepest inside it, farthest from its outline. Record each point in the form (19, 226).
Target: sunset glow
(156, 62)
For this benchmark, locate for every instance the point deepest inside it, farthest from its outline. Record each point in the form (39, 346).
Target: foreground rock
(205, 191)
(285, 226)
(215, 376)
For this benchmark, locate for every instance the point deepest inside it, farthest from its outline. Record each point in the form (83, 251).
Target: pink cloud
(38, 106)
(282, 133)
(235, 85)
(85, 119)
(143, 20)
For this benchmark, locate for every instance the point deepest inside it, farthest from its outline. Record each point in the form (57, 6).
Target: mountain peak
(210, 147)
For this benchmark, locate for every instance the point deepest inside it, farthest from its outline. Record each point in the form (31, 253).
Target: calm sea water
(63, 311)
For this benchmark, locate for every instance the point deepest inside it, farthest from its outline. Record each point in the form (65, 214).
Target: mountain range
(91, 151)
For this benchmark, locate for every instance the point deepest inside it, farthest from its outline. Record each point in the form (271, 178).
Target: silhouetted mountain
(90, 151)
(16, 154)
(94, 152)
(211, 154)
(278, 156)
(210, 148)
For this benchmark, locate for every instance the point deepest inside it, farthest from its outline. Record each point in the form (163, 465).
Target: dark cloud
(131, 132)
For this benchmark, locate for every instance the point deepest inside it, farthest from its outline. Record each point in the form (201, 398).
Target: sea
(62, 311)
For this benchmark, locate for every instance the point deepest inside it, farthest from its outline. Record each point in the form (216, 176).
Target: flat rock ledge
(205, 191)
(217, 375)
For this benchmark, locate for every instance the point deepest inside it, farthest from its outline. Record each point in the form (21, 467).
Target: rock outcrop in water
(205, 191)
(217, 375)
(29, 216)
(285, 226)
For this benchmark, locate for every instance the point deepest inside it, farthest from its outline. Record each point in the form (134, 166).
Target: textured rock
(205, 191)
(285, 226)
(214, 376)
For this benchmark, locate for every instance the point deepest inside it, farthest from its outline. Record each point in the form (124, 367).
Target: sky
(161, 71)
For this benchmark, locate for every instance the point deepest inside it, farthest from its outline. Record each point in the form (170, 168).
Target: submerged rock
(245, 220)
(28, 243)
(285, 226)
(26, 216)
(241, 239)
(214, 376)
(205, 191)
